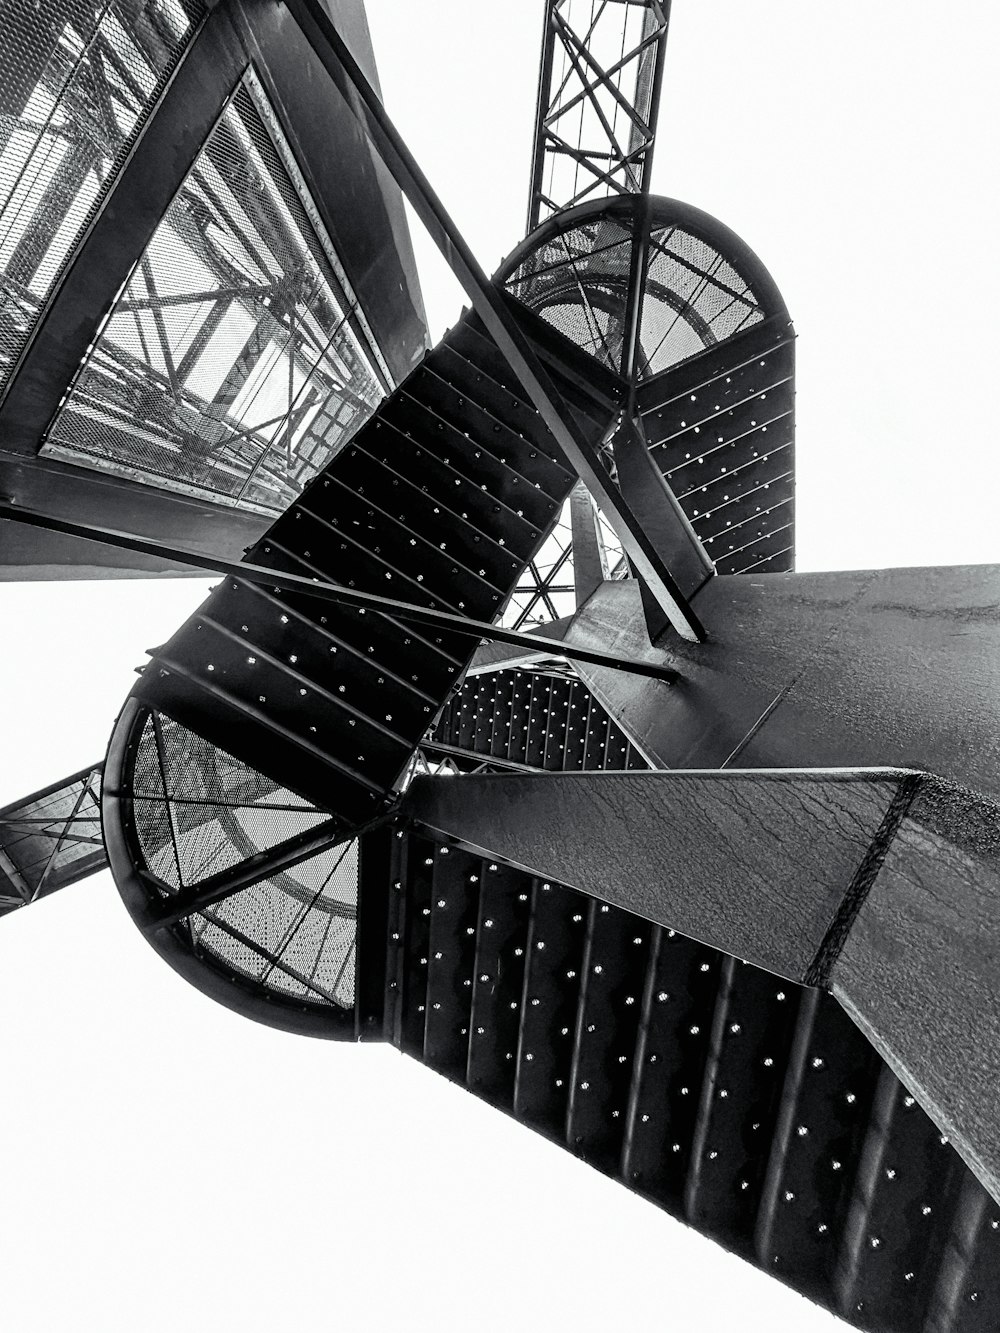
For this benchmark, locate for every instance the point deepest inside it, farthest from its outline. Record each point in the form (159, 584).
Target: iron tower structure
(709, 895)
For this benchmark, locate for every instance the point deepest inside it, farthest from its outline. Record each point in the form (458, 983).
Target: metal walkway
(747, 1106)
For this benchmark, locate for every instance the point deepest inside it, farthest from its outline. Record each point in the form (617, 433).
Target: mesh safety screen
(51, 839)
(197, 812)
(300, 945)
(77, 81)
(578, 282)
(694, 298)
(235, 361)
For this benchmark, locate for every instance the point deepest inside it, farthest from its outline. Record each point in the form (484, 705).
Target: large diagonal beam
(493, 309)
(667, 526)
(331, 592)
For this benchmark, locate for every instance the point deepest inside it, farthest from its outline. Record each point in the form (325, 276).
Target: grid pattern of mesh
(51, 839)
(694, 298)
(303, 948)
(233, 364)
(578, 282)
(77, 81)
(198, 811)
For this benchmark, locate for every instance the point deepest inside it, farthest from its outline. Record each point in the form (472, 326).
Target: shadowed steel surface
(756, 864)
(744, 1104)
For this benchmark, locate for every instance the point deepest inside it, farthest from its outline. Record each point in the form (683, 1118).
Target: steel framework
(51, 839)
(598, 96)
(760, 994)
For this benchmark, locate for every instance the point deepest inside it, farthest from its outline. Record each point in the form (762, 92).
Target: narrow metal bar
(332, 592)
(474, 756)
(255, 868)
(541, 108)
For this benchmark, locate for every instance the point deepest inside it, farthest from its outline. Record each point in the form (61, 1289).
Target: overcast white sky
(167, 1163)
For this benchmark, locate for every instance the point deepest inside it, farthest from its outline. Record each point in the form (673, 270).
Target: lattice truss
(77, 80)
(200, 815)
(597, 101)
(50, 839)
(546, 590)
(236, 359)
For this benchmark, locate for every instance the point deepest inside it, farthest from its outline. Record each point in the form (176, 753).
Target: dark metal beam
(496, 313)
(753, 863)
(882, 886)
(332, 592)
(271, 861)
(665, 523)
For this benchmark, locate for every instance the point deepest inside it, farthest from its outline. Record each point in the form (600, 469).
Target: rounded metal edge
(234, 992)
(664, 211)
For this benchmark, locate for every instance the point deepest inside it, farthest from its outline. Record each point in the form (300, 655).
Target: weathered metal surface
(869, 668)
(588, 557)
(884, 887)
(920, 969)
(756, 864)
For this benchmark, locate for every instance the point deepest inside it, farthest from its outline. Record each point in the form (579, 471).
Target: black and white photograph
(499, 666)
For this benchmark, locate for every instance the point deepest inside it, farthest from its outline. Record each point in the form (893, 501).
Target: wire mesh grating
(198, 812)
(77, 82)
(234, 363)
